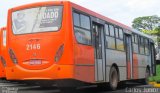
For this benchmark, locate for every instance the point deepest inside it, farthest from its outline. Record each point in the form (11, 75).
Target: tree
(156, 31)
(146, 22)
(149, 25)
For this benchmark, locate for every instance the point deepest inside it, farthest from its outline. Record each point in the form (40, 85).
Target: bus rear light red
(3, 62)
(13, 56)
(59, 53)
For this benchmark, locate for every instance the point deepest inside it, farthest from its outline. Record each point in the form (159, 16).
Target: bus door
(153, 65)
(98, 37)
(129, 56)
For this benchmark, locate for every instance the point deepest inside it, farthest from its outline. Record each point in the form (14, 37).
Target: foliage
(149, 25)
(155, 32)
(152, 32)
(146, 22)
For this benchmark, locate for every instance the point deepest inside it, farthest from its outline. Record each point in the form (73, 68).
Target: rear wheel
(147, 74)
(145, 81)
(113, 78)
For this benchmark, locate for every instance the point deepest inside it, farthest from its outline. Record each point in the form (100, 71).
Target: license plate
(35, 62)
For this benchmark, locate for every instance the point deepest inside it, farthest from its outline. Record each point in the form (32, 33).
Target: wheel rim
(114, 79)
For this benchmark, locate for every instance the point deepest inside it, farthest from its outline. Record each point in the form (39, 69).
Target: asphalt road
(19, 87)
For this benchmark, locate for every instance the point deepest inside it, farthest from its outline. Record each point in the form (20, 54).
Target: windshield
(39, 19)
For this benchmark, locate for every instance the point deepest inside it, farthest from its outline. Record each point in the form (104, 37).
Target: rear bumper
(51, 73)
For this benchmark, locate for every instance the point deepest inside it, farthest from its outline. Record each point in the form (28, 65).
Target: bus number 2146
(33, 46)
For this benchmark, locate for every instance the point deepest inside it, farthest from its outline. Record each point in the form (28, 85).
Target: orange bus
(2, 51)
(60, 40)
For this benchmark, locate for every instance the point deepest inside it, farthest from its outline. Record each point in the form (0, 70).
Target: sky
(123, 11)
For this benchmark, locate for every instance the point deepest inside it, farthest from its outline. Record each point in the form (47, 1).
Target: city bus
(2, 52)
(63, 41)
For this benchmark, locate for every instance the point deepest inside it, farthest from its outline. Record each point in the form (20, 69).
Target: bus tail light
(13, 56)
(3, 61)
(59, 53)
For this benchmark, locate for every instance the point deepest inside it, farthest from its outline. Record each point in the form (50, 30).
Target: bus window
(4, 37)
(141, 45)
(135, 48)
(83, 36)
(146, 46)
(76, 19)
(106, 29)
(111, 29)
(82, 28)
(120, 33)
(117, 32)
(85, 21)
(133, 38)
(110, 42)
(136, 39)
(135, 45)
(39, 19)
(120, 44)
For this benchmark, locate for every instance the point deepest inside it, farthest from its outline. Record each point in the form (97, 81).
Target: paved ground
(19, 87)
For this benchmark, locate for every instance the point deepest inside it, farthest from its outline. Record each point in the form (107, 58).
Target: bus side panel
(2, 70)
(118, 58)
(135, 66)
(84, 68)
(1, 66)
(84, 63)
(85, 73)
(143, 62)
(9, 26)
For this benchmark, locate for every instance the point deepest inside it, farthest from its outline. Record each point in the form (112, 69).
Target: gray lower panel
(99, 70)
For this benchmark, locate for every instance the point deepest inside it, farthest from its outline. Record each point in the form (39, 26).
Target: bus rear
(2, 52)
(38, 42)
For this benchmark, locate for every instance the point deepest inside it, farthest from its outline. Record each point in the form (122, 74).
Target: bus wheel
(113, 78)
(147, 74)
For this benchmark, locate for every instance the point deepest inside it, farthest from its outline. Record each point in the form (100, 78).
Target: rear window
(39, 19)
(4, 38)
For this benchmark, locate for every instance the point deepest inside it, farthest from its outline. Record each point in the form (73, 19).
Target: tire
(113, 79)
(147, 74)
